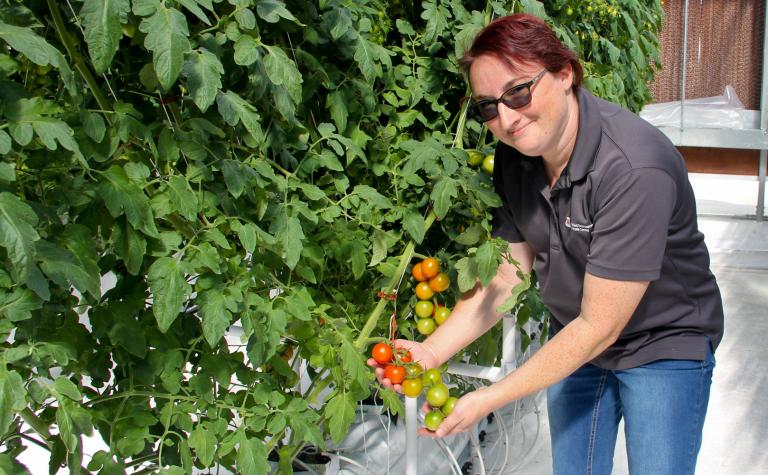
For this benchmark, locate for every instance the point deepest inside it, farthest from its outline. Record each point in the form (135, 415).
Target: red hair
(521, 39)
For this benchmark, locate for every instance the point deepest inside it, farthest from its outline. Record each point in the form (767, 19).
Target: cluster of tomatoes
(400, 368)
(430, 282)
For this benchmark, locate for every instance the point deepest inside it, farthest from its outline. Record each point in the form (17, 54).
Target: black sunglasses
(514, 98)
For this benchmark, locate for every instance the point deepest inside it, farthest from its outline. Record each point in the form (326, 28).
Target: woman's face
(538, 128)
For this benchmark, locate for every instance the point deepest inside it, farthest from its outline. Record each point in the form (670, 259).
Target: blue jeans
(663, 404)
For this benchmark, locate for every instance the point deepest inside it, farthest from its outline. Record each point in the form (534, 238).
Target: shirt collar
(585, 150)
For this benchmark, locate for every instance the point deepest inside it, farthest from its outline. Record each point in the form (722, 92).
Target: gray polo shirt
(622, 209)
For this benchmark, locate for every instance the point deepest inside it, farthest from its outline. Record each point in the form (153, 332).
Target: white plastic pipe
(411, 436)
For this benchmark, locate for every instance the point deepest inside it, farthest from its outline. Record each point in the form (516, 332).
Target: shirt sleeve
(503, 225)
(503, 220)
(631, 225)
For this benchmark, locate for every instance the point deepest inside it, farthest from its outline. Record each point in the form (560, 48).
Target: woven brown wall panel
(725, 44)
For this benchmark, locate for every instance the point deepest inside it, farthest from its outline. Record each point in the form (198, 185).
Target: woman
(598, 203)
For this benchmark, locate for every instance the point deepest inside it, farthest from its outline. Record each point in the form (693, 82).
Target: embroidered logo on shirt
(582, 228)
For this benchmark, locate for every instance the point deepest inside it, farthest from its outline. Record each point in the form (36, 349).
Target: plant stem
(405, 259)
(75, 55)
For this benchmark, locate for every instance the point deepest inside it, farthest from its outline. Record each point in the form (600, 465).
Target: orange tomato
(424, 291)
(417, 273)
(430, 267)
(440, 282)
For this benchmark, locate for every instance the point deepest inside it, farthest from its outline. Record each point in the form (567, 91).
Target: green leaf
(166, 38)
(121, 195)
(129, 245)
(37, 50)
(352, 361)
(340, 413)
(392, 401)
(414, 223)
(251, 455)
(94, 126)
(445, 189)
(465, 36)
(203, 71)
(437, 21)
(292, 237)
(365, 58)
(235, 176)
(298, 303)
(65, 387)
(272, 10)
(10, 466)
(19, 304)
(372, 196)
(471, 235)
(216, 311)
(61, 266)
(203, 442)
(182, 197)
(281, 70)
(245, 18)
(194, 8)
(11, 396)
(468, 274)
(514, 299)
(5, 143)
(380, 245)
(534, 7)
(235, 110)
(18, 234)
(336, 102)
(35, 114)
(246, 50)
(339, 21)
(169, 289)
(7, 172)
(101, 21)
(488, 259)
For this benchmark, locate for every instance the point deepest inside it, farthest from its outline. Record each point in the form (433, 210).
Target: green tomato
(432, 377)
(424, 308)
(442, 314)
(449, 405)
(426, 326)
(475, 158)
(437, 395)
(487, 164)
(432, 420)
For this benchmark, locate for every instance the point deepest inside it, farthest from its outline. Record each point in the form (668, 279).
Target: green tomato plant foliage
(197, 198)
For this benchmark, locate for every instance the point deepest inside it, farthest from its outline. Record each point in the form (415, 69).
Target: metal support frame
(492, 374)
(750, 138)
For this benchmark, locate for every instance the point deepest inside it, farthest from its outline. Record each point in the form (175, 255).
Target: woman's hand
(468, 411)
(419, 352)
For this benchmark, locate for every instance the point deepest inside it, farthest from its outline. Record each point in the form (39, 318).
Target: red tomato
(396, 374)
(405, 355)
(382, 353)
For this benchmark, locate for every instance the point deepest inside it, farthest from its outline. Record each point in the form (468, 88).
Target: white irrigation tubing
(474, 442)
(350, 461)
